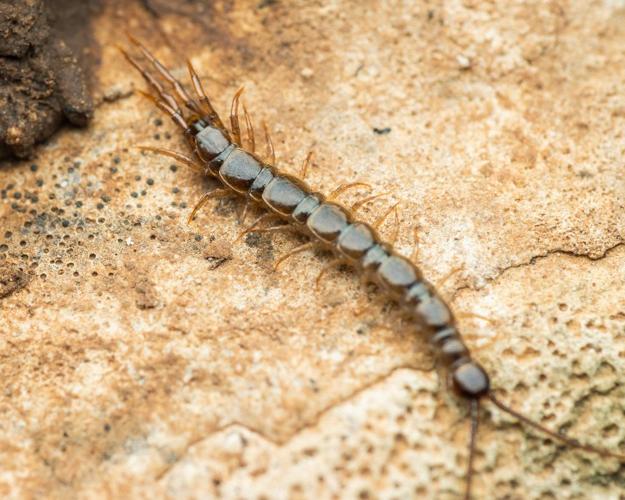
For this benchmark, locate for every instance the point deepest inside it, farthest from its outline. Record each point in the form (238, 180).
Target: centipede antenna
(204, 100)
(573, 443)
(190, 103)
(153, 82)
(475, 422)
(176, 116)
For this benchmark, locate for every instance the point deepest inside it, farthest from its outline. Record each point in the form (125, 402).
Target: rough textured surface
(41, 82)
(143, 357)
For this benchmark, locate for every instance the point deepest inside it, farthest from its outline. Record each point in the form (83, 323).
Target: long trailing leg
(190, 103)
(234, 117)
(573, 443)
(215, 193)
(179, 157)
(212, 115)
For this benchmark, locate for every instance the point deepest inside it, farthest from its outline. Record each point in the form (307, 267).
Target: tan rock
(147, 358)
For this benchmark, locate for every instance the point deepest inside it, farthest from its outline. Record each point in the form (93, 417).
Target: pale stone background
(146, 358)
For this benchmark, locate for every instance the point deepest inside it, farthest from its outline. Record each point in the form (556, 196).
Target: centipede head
(209, 140)
(470, 380)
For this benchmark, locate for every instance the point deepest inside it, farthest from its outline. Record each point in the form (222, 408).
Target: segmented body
(355, 241)
(222, 156)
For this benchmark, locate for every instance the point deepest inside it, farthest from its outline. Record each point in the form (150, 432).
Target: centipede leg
(466, 314)
(216, 193)
(359, 204)
(179, 157)
(440, 283)
(190, 103)
(415, 253)
(243, 215)
(270, 152)
(263, 218)
(345, 187)
(234, 117)
(296, 250)
(304, 170)
(274, 229)
(249, 128)
(212, 115)
(380, 220)
(330, 265)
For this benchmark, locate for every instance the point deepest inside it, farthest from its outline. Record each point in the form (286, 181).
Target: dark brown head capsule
(471, 380)
(209, 141)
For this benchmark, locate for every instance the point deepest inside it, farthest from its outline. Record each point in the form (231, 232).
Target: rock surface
(143, 357)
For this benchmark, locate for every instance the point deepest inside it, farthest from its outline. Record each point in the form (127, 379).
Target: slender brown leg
(447, 277)
(296, 250)
(415, 253)
(393, 238)
(358, 205)
(383, 217)
(270, 152)
(274, 229)
(344, 187)
(204, 100)
(249, 128)
(243, 214)
(234, 117)
(333, 263)
(190, 103)
(179, 157)
(462, 315)
(216, 193)
(304, 170)
(263, 218)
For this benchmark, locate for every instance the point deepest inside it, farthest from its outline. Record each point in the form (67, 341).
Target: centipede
(220, 153)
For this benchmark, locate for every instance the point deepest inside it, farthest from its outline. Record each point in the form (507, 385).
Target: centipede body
(220, 154)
